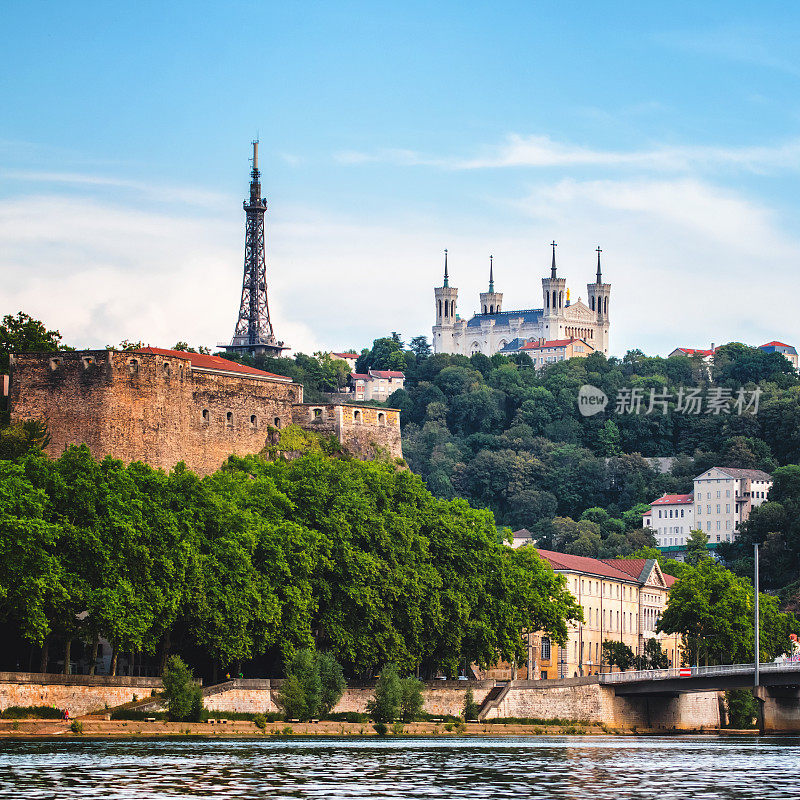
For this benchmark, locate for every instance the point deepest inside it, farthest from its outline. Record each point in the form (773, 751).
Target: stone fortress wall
(161, 409)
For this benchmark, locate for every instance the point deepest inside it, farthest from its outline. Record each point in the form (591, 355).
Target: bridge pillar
(778, 709)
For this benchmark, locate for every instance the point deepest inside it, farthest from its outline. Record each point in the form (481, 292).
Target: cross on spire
(553, 268)
(446, 282)
(599, 276)
(491, 274)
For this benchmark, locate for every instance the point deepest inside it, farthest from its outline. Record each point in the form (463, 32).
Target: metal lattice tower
(254, 332)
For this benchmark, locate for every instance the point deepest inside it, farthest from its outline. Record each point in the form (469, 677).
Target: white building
(671, 519)
(492, 329)
(724, 498)
(349, 358)
(377, 384)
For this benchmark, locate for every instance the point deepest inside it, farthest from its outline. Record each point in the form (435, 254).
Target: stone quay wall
(585, 699)
(79, 694)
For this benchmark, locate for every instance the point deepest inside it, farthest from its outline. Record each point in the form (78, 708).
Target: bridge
(778, 690)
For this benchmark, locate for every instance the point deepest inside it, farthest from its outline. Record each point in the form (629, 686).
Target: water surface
(579, 767)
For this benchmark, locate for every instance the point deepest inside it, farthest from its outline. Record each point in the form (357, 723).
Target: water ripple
(574, 768)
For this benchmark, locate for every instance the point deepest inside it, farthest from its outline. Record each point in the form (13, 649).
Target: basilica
(493, 330)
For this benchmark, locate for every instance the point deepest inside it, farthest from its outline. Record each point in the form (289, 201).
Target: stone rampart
(79, 694)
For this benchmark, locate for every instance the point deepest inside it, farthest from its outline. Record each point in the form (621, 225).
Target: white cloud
(544, 152)
(690, 263)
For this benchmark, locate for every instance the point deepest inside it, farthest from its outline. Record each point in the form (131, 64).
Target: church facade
(493, 329)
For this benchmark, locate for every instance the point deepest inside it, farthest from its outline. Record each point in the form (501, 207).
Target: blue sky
(669, 135)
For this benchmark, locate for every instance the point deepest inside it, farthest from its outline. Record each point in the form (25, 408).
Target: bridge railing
(697, 672)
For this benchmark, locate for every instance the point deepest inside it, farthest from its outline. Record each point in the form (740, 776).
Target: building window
(317, 415)
(166, 369)
(277, 422)
(253, 421)
(229, 418)
(133, 366)
(206, 416)
(382, 421)
(546, 648)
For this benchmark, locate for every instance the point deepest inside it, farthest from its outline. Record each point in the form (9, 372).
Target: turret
(445, 298)
(599, 294)
(491, 301)
(553, 299)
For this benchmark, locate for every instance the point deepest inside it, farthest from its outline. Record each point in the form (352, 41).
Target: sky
(666, 134)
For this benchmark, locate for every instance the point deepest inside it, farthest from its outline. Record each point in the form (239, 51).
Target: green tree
(385, 707)
(184, 697)
(652, 656)
(301, 693)
(617, 653)
(20, 333)
(331, 681)
(696, 547)
(471, 708)
(410, 698)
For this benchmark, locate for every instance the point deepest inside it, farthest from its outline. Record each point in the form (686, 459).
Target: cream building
(542, 352)
(492, 329)
(377, 384)
(622, 600)
(724, 498)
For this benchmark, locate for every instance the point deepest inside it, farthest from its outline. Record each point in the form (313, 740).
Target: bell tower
(599, 295)
(553, 296)
(445, 297)
(491, 301)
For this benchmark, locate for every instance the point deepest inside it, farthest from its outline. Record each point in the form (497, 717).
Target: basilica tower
(491, 301)
(445, 297)
(599, 294)
(553, 296)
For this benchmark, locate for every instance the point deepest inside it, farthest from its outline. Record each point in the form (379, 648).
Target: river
(579, 767)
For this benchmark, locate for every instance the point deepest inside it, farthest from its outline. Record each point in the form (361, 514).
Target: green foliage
(381, 728)
(652, 656)
(31, 712)
(410, 699)
(20, 333)
(742, 708)
(696, 547)
(260, 721)
(713, 608)
(76, 726)
(314, 685)
(184, 697)
(20, 438)
(617, 653)
(385, 707)
(471, 708)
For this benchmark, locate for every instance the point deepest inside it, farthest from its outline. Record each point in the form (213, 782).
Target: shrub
(32, 712)
(76, 727)
(347, 716)
(380, 728)
(388, 696)
(313, 686)
(471, 708)
(397, 728)
(260, 721)
(742, 708)
(184, 697)
(410, 698)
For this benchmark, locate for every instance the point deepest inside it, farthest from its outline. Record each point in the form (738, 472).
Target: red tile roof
(774, 344)
(647, 514)
(671, 499)
(625, 569)
(216, 363)
(349, 355)
(356, 376)
(551, 343)
(693, 352)
(386, 373)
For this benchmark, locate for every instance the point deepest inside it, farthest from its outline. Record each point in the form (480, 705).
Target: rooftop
(752, 474)
(203, 361)
(672, 499)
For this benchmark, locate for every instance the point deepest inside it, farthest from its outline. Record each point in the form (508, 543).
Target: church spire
(491, 275)
(599, 275)
(553, 268)
(446, 281)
